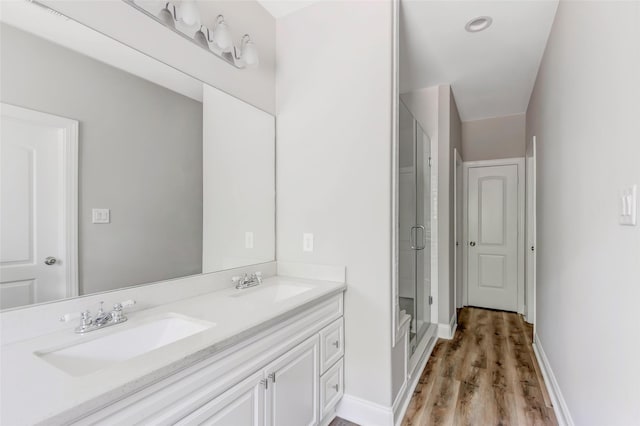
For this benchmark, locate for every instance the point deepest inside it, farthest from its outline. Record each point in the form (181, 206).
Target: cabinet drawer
(331, 388)
(331, 344)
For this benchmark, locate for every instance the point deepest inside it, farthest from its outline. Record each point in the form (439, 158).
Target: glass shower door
(414, 268)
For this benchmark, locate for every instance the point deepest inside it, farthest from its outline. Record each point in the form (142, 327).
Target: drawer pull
(265, 383)
(336, 343)
(336, 387)
(272, 376)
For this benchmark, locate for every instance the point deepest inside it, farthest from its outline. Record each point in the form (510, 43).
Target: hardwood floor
(486, 375)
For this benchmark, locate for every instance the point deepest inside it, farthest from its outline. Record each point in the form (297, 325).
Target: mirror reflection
(118, 170)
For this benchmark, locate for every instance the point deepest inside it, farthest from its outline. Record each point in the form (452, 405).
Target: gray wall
(140, 152)
(494, 138)
(584, 112)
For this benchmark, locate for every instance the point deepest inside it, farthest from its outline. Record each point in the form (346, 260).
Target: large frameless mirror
(119, 170)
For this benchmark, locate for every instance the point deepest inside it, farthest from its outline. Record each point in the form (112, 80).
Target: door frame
(520, 163)
(457, 233)
(69, 187)
(531, 241)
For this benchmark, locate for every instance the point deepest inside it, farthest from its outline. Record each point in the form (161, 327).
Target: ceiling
(491, 72)
(280, 8)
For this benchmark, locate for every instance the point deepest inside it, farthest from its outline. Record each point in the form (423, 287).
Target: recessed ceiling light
(478, 24)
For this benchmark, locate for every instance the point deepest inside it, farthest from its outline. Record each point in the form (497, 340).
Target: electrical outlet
(101, 216)
(307, 242)
(248, 240)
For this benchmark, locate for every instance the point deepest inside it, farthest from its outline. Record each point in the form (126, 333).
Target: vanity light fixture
(183, 17)
(478, 24)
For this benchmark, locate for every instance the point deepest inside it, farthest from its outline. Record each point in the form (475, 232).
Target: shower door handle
(424, 232)
(412, 242)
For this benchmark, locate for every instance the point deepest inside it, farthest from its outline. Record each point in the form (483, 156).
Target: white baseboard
(401, 403)
(559, 404)
(364, 412)
(446, 331)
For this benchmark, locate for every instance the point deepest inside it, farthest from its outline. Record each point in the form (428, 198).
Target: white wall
(455, 142)
(585, 112)
(122, 22)
(238, 193)
(334, 82)
(494, 138)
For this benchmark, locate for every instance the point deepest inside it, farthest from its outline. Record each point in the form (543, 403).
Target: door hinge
(431, 300)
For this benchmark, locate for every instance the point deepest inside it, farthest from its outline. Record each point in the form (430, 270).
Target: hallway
(486, 375)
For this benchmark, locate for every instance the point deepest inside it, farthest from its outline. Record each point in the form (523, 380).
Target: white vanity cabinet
(290, 374)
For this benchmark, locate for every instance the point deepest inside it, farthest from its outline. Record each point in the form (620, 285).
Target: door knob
(50, 260)
(472, 243)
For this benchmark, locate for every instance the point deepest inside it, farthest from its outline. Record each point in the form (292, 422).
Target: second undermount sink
(271, 293)
(103, 351)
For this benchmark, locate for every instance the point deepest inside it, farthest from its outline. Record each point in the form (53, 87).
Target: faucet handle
(69, 317)
(85, 318)
(258, 276)
(101, 311)
(117, 315)
(127, 303)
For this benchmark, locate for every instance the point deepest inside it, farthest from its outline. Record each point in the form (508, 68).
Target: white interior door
(493, 237)
(35, 257)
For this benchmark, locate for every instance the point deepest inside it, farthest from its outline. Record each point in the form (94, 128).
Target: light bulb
(189, 13)
(250, 54)
(221, 35)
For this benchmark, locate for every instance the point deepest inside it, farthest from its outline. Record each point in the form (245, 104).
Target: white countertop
(34, 391)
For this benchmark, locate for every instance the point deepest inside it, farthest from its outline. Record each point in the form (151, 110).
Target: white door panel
(493, 237)
(294, 386)
(33, 219)
(242, 405)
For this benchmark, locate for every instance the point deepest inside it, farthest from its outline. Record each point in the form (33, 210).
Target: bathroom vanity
(266, 355)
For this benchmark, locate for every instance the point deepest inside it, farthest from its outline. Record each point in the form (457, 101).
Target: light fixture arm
(237, 52)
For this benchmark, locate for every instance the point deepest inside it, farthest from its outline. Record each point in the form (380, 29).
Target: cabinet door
(293, 386)
(242, 405)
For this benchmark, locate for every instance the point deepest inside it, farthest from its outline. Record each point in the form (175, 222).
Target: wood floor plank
(441, 404)
(418, 404)
(486, 375)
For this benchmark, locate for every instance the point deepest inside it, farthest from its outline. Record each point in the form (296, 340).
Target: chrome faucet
(247, 280)
(101, 320)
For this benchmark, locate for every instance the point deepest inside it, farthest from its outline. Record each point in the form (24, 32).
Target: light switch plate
(629, 206)
(248, 240)
(307, 242)
(101, 216)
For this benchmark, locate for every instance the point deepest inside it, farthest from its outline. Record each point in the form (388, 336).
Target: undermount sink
(129, 342)
(271, 293)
